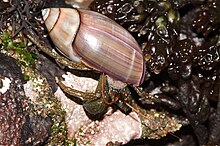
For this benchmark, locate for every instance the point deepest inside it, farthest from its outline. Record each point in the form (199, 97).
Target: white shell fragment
(30, 91)
(5, 85)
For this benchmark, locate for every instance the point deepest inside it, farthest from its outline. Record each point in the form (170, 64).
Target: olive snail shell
(97, 41)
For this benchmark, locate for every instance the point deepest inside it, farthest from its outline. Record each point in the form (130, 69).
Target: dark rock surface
(19, 124)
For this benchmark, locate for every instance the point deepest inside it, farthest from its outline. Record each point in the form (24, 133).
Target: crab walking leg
(94, 103)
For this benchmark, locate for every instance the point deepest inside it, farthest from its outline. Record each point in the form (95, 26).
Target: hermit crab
(93, 41)
(178, 65)
(88, 40)
(97, 43)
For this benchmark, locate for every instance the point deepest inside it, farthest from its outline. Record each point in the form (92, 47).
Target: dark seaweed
(180, 41)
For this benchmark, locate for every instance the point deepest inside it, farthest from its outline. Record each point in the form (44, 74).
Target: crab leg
(92, 102)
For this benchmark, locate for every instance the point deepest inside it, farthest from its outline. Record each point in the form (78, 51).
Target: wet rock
(35, 130)
(19, 123)
(12, 102)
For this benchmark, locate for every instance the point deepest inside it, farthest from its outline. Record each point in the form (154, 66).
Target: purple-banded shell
(99, 42)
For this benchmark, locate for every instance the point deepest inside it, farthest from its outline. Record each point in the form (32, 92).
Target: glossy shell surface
(99, 42)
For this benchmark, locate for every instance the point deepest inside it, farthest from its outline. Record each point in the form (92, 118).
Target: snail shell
(97, 41)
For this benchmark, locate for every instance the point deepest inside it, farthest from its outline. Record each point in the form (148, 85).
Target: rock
(19, 123)
(12, 102)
